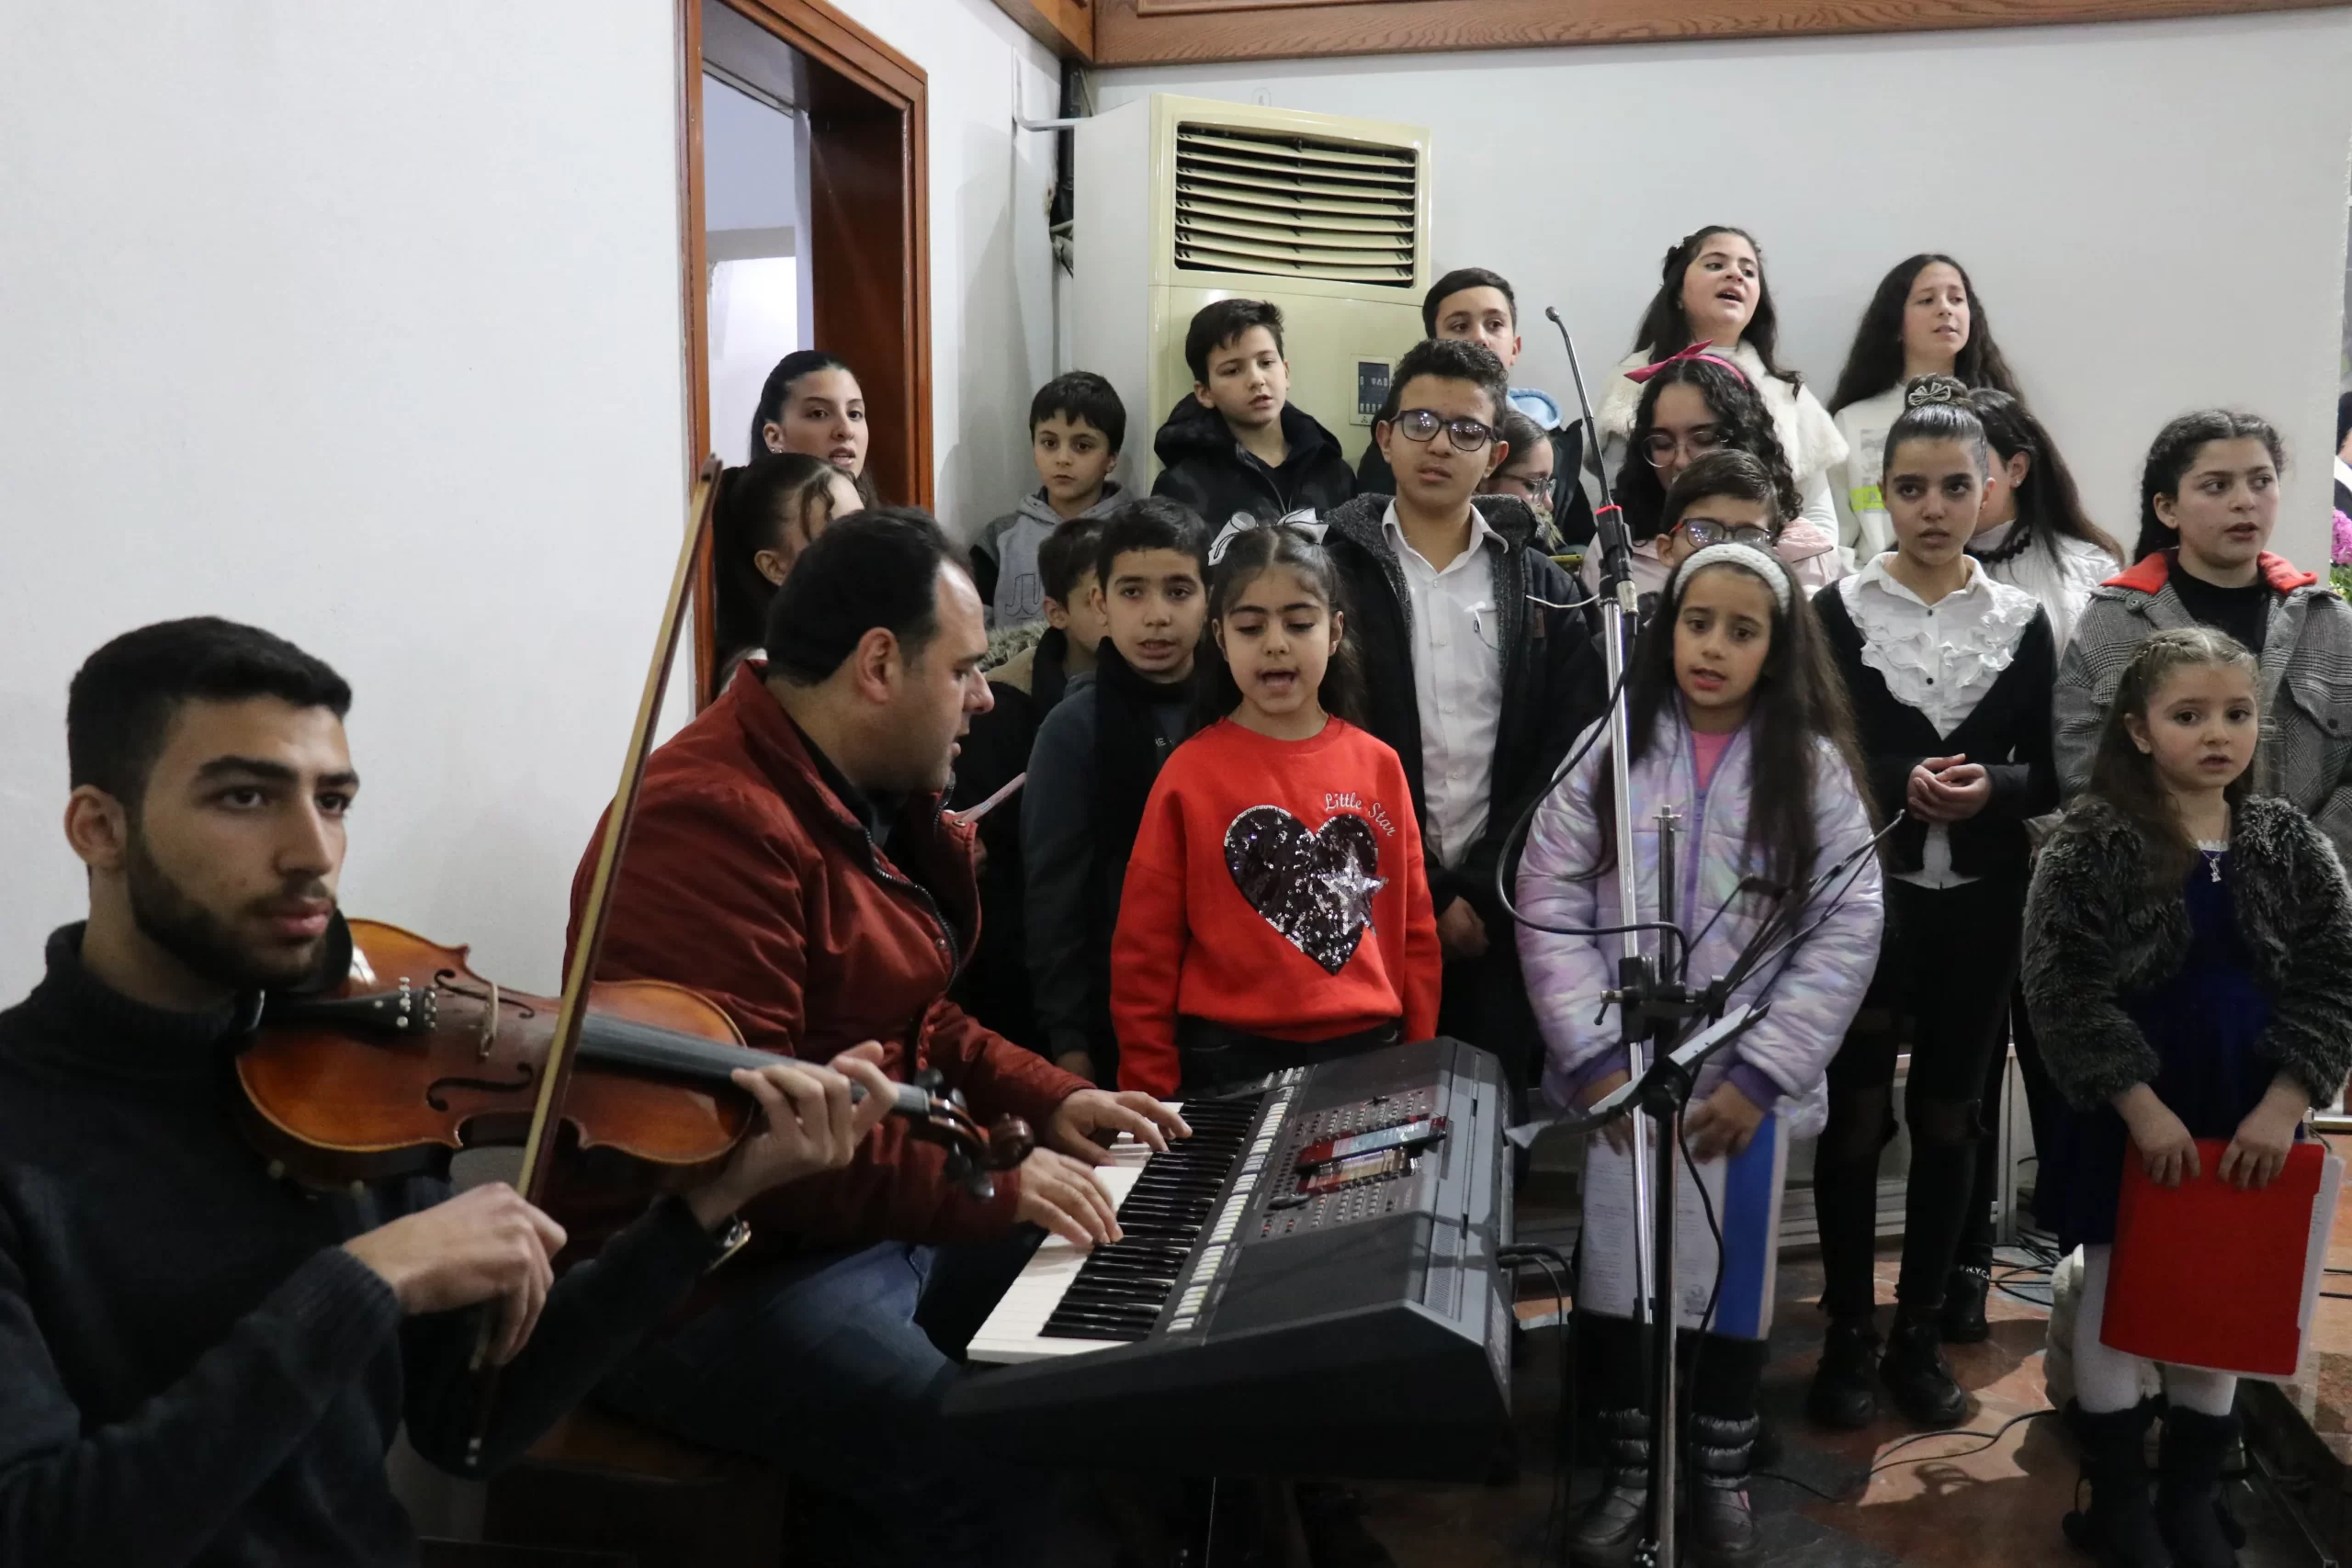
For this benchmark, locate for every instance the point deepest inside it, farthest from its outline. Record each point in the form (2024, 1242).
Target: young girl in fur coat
(2188, 968)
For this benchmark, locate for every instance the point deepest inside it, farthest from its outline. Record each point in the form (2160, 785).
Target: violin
(398, 1055)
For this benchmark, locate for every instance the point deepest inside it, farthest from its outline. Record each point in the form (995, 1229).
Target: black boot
(1843, 1392)
(2188, 1487)
(1914, 1368)
(1330, 1517)
(2120, 1527)
(1723, 1529)
(1963, 1316)
(1609, 1530)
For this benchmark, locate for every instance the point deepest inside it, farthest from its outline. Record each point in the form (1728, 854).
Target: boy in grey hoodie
(1076, 427)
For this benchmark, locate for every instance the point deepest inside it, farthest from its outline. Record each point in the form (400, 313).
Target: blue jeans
(820, 1366)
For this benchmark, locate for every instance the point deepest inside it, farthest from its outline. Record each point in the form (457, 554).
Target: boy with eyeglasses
(1724, 498)
(1477, 673)
(1471, 304)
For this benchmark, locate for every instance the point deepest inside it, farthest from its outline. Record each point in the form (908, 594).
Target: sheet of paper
(1745, 1194)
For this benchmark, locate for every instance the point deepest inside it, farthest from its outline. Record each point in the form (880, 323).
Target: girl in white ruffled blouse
(1949, 672)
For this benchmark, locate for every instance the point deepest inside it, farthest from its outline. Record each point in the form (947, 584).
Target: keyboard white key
(1013, 1331)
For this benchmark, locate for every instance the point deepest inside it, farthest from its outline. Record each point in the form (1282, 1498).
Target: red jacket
(746, 879)
(1276, 888)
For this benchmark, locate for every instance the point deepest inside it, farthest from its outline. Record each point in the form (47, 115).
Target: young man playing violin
(201, 1362)
(789, 860)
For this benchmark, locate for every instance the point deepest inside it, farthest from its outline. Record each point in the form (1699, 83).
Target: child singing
(2188, 968)
(1275, 911)
(1739, 722)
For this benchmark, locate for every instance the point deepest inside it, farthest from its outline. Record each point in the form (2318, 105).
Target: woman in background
(810, 403)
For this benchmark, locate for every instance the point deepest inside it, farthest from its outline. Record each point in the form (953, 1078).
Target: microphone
(1616, 545)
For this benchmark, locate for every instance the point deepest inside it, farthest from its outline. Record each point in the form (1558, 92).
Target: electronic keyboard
(1307, 1285)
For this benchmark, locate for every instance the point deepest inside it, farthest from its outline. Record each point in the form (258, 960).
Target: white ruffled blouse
(1941, 659)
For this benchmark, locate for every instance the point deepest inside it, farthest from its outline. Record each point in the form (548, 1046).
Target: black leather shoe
(1608, 1531)
(1917, 1378)
(1844, 1393)
(1963, 1315)
(1722, 1526)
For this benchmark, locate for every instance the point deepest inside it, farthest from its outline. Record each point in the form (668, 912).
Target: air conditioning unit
(1185, 202)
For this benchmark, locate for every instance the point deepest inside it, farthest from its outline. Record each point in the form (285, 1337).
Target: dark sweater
(994, 987)
(2007, 734)
(2243, 612)
(192, 1370)
(1075, 846)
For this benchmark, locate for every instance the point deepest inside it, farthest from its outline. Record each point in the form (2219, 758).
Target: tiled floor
(1964, 1503)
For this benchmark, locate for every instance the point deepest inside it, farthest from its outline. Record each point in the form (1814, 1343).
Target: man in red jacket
(789, 859)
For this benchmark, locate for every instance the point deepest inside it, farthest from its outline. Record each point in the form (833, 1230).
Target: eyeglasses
(1704, 531)
(1466, 434)
(1524, 486)
(1659, 445)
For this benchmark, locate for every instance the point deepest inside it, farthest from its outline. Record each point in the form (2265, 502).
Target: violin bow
(555, 1077)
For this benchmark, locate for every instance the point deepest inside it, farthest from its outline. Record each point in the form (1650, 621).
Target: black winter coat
(1211, 472)
(1552, 686)
(2096, 932)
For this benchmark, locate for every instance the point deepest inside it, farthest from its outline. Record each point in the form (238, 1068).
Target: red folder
(2204, 1275)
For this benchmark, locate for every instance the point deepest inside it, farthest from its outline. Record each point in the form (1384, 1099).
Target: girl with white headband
(1737, 719)
(1950, 673)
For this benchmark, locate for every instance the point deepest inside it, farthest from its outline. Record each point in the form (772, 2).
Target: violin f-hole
(436, 1092)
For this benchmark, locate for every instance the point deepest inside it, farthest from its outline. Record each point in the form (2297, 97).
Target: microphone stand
(1639, 989)
(1657, 1003)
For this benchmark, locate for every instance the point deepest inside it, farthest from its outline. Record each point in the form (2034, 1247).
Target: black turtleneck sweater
(192, 1370)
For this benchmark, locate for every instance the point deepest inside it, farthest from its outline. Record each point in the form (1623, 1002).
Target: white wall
(2152, 213)
(360, 322)
(755, 184)
(991, 289)
(750, 162)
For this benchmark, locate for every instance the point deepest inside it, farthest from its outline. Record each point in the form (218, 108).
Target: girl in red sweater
(1275, 912)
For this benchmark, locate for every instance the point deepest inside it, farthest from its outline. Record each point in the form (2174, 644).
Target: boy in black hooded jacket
(1237, 446)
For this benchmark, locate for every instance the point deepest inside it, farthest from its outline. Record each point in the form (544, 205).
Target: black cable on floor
(1988, 1440)
(1552, 1544)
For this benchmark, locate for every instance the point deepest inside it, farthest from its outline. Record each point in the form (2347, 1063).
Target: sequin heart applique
(1314, 887)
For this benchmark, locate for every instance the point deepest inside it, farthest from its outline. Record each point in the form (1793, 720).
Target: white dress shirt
(1457, 681)
(1941, 659)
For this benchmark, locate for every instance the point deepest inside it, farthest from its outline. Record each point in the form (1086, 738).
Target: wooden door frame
(868, 258)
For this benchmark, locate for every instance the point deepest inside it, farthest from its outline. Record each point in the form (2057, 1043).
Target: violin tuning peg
(1011, 1141)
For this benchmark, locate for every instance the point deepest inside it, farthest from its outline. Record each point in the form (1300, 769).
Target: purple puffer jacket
(1782, 1061)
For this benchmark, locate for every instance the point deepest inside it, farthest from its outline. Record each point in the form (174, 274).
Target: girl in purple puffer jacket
(1740, 722)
